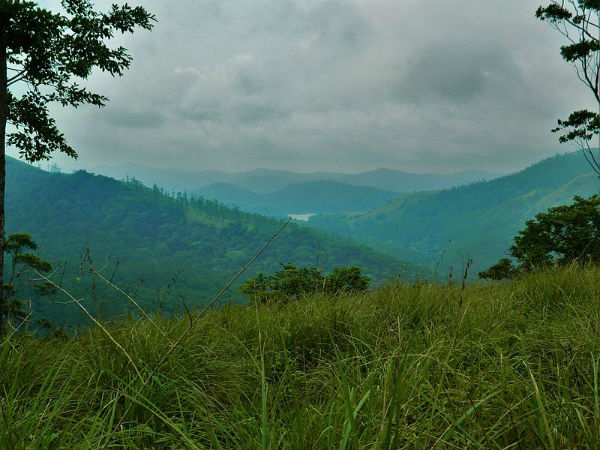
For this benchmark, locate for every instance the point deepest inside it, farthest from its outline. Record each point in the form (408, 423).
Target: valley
(433, 223)
(171, 252)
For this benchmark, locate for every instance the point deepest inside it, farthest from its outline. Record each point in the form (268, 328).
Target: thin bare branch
(78, 303)
(128, 297)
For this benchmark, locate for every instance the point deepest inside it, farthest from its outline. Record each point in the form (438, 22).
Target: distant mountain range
(265, 181)
(445, 228)
(168, 251)
(278, 193)
(312, 197)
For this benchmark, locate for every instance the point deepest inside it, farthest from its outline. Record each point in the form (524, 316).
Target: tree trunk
(3, 119)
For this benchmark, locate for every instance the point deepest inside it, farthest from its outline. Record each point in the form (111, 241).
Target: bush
(346, 280)
(292, 283)
(502, 270)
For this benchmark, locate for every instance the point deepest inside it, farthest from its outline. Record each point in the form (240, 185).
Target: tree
(579, 22)
(502, 270)
(561, 235)
(290, 283)
(48, 54)
(22, 262)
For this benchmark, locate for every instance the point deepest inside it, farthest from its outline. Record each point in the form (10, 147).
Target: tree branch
(15, 78)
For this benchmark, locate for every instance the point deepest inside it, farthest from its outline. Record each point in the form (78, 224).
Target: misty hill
(268, 181)
(477, 220)
(300, 198)
(166, 250)
(406, 182)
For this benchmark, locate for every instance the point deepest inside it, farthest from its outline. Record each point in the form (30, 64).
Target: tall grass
(510, 365)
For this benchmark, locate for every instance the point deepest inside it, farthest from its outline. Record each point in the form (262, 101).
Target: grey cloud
(134, 119)
(451, 71)
(256, 113)
(347, 85)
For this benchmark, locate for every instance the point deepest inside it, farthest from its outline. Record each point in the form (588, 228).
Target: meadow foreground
(511, 365)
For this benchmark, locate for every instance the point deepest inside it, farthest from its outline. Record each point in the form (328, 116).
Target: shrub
(502, 270)
(19, 291)
(292, 283)
(346, 280)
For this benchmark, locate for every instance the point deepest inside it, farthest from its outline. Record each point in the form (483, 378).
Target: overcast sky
(345, 85)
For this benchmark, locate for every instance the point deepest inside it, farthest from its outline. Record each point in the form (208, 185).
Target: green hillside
(166, 250)
(476, 220)
(301, 198)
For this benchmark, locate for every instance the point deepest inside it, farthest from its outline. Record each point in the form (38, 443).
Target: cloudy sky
(345, 85)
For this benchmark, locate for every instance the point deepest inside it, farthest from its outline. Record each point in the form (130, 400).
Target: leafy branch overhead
(44, 56)
(48, 53)
(579, 22)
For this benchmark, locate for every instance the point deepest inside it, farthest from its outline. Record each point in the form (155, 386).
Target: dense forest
(166, 249)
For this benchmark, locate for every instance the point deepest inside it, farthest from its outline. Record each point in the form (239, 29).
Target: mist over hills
(278, 193)
(312, 197)
(478, 220)
(166, 250)
(265, 181)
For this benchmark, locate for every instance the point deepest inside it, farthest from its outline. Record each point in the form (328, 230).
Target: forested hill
(168, 250)
(477, 220)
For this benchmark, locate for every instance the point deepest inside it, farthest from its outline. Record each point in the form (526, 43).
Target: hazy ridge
(268, 181)
(476, 220)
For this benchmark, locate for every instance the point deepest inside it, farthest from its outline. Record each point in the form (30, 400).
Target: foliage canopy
(48, 52)
(562, 235)
(19, 291)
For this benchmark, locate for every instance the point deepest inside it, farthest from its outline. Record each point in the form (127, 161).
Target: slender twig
(15, 78)
(114, 271)
(78, 303)
(130, 298)
(5, 339)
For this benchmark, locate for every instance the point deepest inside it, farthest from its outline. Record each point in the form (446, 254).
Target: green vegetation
(502, 270)
(293, 283)
(19, 292)
(560, 236)
(45, 57)
(444, 228)
(170, 253)
(511, 365)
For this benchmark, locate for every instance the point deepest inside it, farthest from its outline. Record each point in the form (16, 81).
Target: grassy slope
(495, 366)
(479, 219)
